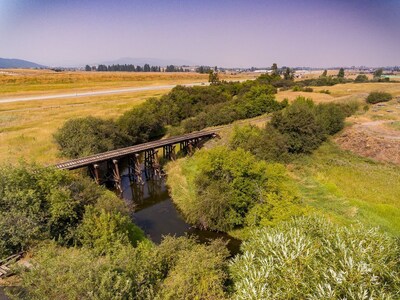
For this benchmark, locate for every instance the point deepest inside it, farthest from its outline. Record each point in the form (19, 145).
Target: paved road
(94, 93)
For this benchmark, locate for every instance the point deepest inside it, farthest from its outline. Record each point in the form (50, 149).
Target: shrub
(311, 258)
(198, 273)
(299, 125)
(86, 136)
(216, 189)
(142, 123)
(348, 108)
(325, 92)
(361, 78)
(73, 273)
(330, 118)
(266, 144)
(42, 203)
(308, 89)
(376, 97)
(105, 232)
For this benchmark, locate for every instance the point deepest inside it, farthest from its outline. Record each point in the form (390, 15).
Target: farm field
(27, 127)
(37, 82)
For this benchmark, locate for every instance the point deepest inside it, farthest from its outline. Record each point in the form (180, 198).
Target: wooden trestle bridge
(111, 159)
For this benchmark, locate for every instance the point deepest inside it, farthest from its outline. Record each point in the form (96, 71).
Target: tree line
(133, 68)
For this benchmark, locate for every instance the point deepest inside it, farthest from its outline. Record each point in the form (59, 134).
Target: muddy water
(157, 216)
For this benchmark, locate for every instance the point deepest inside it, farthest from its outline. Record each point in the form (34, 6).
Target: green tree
(299, 125)
(88, 68)
(274, 69)
(325, 73)
(378, 73)
(86, 136)
(42, 203)
(361, 78)
(213, 77)
(106, 232)
(289, 74)
(142, 123)
(341, 73)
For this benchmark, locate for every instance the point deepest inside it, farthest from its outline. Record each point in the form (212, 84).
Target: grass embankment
(350, 188)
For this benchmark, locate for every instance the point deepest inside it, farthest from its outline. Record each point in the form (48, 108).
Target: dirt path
(95, 93)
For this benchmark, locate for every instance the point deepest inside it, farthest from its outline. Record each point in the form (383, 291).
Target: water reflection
(157, 215)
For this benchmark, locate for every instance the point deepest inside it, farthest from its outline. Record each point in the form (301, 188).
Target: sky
(226, 33)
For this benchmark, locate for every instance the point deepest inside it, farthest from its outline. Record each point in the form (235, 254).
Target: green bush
(86, 136)
(361, 78)
(266, 144)
(142, 123)
(73, 273)
(178, 268)
(311, 258)
(325, 92)
(105, 232)
(198, 273)
(42, 203)
(376, 97)
(216, 189)
(330, 118)
(299, 125)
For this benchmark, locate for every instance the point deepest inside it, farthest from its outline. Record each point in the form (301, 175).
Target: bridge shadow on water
(157, 216)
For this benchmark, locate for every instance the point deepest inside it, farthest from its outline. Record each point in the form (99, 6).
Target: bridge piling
(117, 177)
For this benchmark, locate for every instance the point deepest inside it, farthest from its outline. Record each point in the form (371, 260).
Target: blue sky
(212, 32)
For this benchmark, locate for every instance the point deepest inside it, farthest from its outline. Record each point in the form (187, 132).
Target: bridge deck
(115, 154)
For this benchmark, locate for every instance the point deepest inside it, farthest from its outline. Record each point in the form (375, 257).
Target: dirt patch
(371, 140)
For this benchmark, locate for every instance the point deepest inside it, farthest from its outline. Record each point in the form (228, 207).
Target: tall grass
(350, 188)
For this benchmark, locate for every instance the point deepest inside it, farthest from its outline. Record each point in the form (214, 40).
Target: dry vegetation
(27, 127)
(31, 82)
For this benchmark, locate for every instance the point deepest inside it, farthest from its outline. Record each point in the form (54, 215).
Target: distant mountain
(150, 61)
(10, 63)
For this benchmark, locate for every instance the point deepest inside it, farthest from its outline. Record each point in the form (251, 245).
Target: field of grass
(22, 83)
(350, 188)
(26, 128)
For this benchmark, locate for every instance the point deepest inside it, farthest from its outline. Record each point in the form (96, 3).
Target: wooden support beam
(117, 177)
(96, 173)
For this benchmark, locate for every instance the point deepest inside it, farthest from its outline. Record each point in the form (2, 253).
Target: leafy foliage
(376, 97)
(42, 203)
(330, 117)
(198, 273)
(105, 232)
(216, 189)
(178, 268)
(266, 144)
(299, 125)
(311, 258)
(361, 78)
(141, 123)
(86, 136)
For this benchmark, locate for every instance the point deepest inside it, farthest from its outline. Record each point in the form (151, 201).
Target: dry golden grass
(344, 92)
(26, 128)
(33, 82)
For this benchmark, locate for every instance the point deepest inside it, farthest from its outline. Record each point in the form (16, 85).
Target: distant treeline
(133, 68)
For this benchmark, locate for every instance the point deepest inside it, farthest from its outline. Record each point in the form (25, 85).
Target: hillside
(10, 63)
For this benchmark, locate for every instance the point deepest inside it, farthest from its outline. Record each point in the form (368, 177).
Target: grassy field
(26, 128)
(31, 82)
(350, 188)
